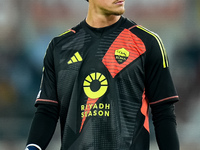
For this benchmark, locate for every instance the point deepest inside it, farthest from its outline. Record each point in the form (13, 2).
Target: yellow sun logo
(95, 85)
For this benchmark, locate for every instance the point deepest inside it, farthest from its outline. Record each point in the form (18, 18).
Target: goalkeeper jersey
(103, 80)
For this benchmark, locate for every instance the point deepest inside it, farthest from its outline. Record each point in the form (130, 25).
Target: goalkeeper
(99, 79)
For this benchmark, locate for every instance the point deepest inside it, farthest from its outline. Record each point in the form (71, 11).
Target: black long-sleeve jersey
(103, 81)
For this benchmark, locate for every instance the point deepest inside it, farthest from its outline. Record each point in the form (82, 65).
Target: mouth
(119, 2)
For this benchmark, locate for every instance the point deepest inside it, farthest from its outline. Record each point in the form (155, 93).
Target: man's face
(109, 7)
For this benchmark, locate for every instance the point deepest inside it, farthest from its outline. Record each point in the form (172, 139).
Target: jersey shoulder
(70, 33)
(143, 32)
(127, 23)
(153, 42)
(140, 31)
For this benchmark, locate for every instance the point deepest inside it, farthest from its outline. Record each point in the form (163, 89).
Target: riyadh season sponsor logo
(95, 86)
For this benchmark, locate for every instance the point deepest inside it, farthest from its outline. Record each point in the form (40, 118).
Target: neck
(98, 20)
(101, 21)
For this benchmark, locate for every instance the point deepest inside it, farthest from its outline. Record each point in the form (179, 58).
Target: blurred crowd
(27, 26)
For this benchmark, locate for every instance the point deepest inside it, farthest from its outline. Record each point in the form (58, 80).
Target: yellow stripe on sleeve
(161, 45)
(65, 32)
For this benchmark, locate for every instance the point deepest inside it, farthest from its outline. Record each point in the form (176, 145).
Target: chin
(119, 12)
(115, 12)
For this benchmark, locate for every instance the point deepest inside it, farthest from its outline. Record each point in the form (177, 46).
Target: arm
(46, 116)
(162, 95)
(164, 120)
(43, 127)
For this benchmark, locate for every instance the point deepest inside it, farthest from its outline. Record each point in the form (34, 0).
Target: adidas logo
(76, 58)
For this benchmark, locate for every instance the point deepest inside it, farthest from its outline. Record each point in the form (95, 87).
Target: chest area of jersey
(113, 52)
(100, 68)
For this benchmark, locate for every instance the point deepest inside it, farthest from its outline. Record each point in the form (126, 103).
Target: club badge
(121, 55)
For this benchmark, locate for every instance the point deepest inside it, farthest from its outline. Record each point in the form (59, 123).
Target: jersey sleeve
(47, 93)
(159, 86)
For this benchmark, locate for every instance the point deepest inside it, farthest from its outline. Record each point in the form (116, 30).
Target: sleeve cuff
(174, 98)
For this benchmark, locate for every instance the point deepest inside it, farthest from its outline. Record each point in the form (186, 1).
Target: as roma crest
(121, 55)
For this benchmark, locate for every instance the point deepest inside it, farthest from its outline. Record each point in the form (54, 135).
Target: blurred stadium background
(27, 26)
